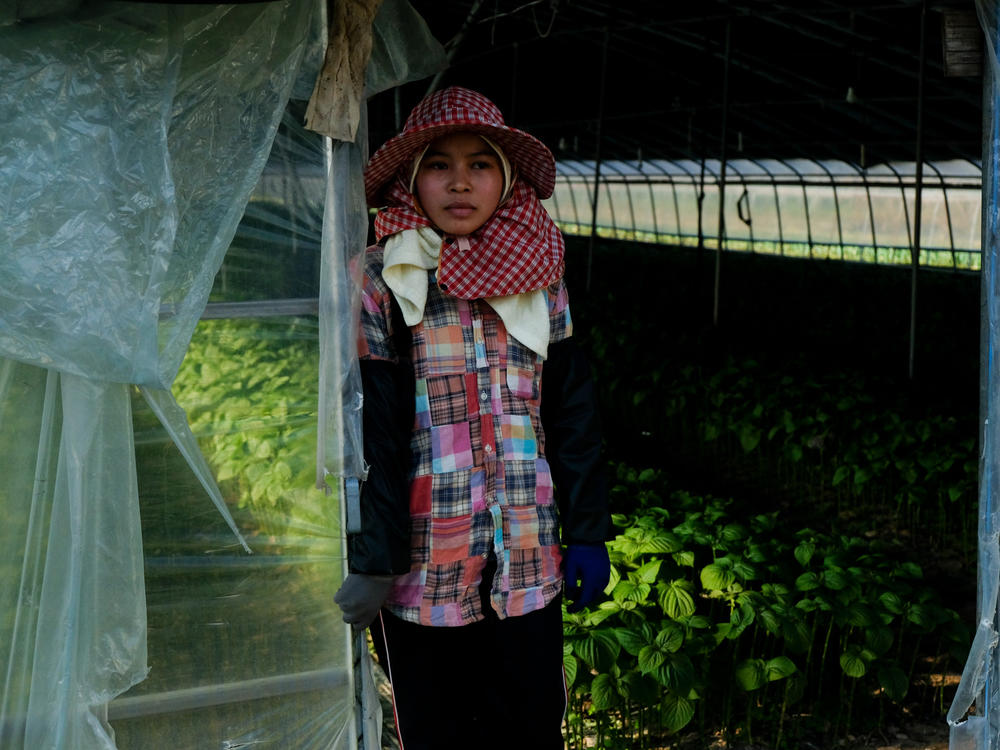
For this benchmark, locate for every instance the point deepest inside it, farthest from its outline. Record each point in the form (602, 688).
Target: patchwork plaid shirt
(479, 480)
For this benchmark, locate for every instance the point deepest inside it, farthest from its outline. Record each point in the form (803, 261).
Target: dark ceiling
(813, 79)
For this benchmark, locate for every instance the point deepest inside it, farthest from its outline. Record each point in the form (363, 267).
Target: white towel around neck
(410, 254)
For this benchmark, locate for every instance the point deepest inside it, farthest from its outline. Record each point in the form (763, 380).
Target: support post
(722, 176)
(918, 190)
(597, 158)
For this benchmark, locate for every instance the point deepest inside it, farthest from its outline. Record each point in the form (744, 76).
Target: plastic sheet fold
(403, 48)
(12, 11)
(74, 622)
(174, 419)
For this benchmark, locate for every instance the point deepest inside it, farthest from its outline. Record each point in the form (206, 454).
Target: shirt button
(485, 555)
(483, 395)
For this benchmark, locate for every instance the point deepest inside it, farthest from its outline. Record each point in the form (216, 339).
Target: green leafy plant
(707, 608)
(249, 390)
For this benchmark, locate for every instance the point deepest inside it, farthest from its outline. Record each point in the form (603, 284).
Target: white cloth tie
(410, 254)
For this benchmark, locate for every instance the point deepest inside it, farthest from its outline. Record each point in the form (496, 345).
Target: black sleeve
(383, 544)
(573, 445)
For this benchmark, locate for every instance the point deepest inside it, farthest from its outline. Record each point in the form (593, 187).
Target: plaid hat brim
(531, 158)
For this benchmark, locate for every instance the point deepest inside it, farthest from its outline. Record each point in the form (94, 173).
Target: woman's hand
(586, 570)
(361, 596)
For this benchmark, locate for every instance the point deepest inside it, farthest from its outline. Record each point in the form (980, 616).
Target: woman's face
(459, 183)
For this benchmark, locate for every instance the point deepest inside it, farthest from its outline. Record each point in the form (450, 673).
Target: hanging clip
(743, 207)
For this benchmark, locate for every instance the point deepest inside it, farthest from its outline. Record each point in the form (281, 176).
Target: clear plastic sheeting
(790, 207)
(129, 144)
(131, 136)
(973, 715)
(244, 651)
(72, 619)
(345, 229)
(274, 257)
(174, 420)
(403, 48)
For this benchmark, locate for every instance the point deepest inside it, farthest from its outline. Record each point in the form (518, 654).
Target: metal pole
(701, 206)
(226, 693)
(971, 715)
(988, 321)
(918, 190)
(512, 114)
(597, 158)
(722, 176)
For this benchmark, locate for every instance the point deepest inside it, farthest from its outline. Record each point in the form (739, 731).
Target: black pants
(492, 684)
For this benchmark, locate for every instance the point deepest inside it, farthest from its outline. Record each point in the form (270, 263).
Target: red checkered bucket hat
(452, 110)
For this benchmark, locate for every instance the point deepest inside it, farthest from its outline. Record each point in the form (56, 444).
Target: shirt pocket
(522, 371)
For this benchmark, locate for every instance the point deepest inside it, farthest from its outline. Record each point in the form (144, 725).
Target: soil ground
(919, 736)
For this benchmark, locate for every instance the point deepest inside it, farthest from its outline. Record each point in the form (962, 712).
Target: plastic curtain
(131, 143)
(72, 589)
(345, 229)
(130, 140)
(973, 715)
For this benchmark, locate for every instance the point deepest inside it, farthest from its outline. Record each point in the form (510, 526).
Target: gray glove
(361, 596)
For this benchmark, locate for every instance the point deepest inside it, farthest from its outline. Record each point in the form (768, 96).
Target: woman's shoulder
(370, 259)
(558, 296)
(373, 285)
(374, 254)
(373, 261)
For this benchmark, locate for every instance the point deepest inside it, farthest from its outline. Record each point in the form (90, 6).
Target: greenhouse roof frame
(796, 208)
(823, 80)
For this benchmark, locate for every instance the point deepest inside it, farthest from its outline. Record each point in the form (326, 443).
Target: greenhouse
(781, 232)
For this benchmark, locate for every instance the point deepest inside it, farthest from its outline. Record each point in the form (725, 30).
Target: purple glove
(588, 564)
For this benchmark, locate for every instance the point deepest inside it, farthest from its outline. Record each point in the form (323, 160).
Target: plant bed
(745, 627)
